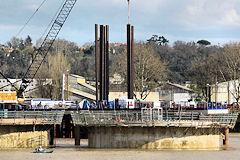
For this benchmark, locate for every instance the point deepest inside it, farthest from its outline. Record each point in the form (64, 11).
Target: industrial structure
(102, 63)
(149, 128)
(136, 124)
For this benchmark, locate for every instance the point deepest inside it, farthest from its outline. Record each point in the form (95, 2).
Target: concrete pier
(154, 138)
(150, 129)
(52, 135)
(146, 129)
(77, 135)
(23, 137)
(28, 129)
(226, 137)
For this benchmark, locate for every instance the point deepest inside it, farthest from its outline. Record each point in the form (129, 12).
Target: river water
(66, 151)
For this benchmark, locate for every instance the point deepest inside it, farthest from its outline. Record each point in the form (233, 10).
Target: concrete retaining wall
(22, 137)
(154, 138)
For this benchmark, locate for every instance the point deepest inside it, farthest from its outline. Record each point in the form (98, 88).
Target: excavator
(42, 51)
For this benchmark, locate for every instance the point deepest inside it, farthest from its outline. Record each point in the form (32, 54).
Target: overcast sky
(189, 20)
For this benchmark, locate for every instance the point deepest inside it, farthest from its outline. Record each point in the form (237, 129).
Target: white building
(225, 91)
(6, 86)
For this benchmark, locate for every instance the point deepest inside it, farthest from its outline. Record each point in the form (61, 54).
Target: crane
(42, 51)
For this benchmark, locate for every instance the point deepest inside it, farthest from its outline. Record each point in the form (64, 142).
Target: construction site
(90, 111)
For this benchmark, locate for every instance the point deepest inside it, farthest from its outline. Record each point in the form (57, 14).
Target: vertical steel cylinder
(129, 64)
(132, 64)
(107, 62)
(104, 63)
(101, 72)
(96, 62)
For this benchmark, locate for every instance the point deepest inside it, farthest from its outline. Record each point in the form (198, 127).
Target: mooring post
(226, 137)
(77, 135)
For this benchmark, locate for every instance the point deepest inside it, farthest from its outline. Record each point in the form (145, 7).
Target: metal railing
(220, 118)
(38, 117)
(151, 117)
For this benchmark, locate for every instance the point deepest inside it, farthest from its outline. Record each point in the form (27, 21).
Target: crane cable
(19, 32)
(49, 25)
(42, 34)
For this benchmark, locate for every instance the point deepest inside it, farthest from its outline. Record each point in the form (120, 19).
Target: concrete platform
(154, 138)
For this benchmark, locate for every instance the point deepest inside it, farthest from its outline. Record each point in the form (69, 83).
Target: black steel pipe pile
(130, 67)
(96, 62)
(102, 63)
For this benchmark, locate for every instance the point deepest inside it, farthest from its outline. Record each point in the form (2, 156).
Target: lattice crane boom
(46, 45)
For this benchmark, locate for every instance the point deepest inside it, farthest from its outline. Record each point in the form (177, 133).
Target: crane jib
(46, 45)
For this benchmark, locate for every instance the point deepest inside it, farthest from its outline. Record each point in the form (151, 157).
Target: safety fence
(152, 117)
(31, 117)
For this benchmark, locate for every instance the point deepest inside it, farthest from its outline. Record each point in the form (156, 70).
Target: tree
(160, 40)
(230, 67)
(44, 83)
(72, 52)
(204, 71)
(54, 68)
(149, 70)
(179, 61)
(16, 43)
(204, 42)
(28, 41)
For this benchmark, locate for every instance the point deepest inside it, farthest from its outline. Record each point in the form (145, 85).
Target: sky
(217, 21)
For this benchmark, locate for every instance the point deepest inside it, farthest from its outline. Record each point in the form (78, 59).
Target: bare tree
(204, 71)
(230, 68)
(149, 70)
(54, 68)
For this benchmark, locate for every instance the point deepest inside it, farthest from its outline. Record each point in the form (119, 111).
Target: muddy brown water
(65, 150)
